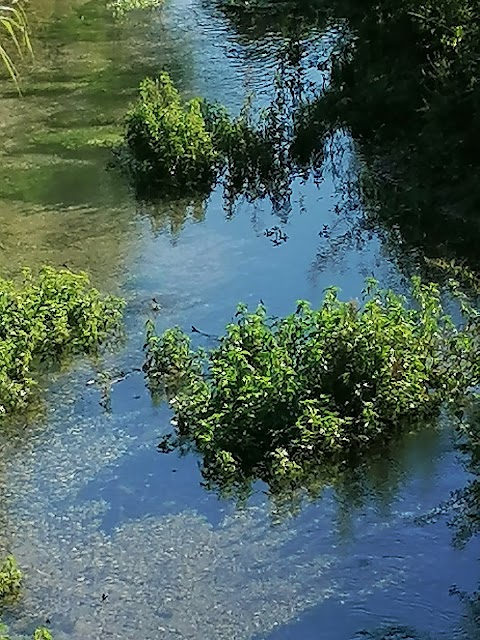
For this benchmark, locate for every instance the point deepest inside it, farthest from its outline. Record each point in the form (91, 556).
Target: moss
(76, 139)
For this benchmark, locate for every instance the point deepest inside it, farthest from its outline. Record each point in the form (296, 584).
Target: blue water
(88, 504)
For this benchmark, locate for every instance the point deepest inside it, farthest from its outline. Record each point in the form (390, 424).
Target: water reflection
(417, 176)
(172, 216)
(262, 22)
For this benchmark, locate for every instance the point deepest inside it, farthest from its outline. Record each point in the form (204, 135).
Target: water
(88, 505)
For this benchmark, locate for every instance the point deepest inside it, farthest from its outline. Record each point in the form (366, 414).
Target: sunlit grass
(14, 39)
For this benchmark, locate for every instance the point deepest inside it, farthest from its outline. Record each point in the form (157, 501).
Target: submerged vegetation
(121, 7)
(46, 318)
(277, 396)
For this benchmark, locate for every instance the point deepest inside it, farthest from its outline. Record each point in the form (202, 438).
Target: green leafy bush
(173, 145)
(10, 579)
(43, 320)
(277, 395)
(167, 139)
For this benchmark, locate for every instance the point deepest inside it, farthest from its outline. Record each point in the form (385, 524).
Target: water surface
(87, 504)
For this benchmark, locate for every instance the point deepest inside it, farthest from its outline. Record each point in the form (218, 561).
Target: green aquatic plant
(277, 396)
(175, 146)
(44, 319)
(39, 634)
(167, 139)
(42, 634)
(10, 579)
(10, 587)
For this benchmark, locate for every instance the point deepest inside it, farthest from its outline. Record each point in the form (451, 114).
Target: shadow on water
(415, 134)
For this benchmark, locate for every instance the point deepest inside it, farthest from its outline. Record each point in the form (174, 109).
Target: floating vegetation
(42, 634)
(10, 579)
(39, 634)
(10, 586)
(167, 139)
(280, 397)
(46, 318)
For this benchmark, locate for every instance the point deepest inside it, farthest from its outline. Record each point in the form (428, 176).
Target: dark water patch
(413, 135)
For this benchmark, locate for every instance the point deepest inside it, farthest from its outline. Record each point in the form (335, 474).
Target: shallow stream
(87, 504)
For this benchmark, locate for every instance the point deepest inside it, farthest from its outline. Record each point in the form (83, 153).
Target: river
(116, 539)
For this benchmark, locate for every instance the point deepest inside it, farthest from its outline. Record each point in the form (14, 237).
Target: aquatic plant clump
(167, 139)
(173, 145)
(278, 395)
(39, 634)
(47, 317)
(10, 579)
